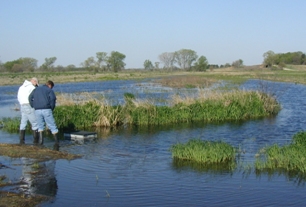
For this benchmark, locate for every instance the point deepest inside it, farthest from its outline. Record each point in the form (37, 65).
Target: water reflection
(220, 168)
(298, 178)
(38, 178)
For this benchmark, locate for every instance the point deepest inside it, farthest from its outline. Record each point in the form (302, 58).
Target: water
(133, 166)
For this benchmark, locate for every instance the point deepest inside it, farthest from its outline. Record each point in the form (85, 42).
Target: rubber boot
(56, 144)
(21, 136)
(35, 136)
(55, 138)
(40, 138)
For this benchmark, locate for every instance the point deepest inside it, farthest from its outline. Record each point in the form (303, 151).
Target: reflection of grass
(214, 168)
(291, 157)
(204, 151)
(2, 179)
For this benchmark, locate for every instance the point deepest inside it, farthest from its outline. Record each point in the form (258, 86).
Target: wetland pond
(132, 166)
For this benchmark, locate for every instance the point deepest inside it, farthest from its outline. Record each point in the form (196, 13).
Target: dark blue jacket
(42, 97)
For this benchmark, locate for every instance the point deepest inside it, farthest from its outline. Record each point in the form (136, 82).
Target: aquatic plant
(291, 157)
(206, 107)
(215, 107)
(204, 151)
(12, 124)
(77, 115)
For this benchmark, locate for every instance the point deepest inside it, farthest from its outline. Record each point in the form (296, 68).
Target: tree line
(282, 59)
(184, 59)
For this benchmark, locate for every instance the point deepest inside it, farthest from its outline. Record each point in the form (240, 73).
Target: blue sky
(221, 30)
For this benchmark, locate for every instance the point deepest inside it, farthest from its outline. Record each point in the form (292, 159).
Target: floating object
(80, 136)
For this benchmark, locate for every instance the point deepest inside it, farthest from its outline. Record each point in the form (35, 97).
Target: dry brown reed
(183, 81)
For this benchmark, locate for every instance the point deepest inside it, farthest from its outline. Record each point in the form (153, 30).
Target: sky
(221, 30)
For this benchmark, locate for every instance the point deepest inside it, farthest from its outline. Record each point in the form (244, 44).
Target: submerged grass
(209, 152)
(291, 157)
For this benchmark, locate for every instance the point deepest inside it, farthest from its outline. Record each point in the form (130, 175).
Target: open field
(291, 73)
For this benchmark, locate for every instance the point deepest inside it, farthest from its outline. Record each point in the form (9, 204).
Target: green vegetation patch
(230, 106)
(204, 151)
(291, 157)
(212, 107)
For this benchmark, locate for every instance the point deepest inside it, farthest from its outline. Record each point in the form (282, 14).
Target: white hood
(24, 92)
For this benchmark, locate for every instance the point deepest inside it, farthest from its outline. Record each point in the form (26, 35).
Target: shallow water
(133, 166)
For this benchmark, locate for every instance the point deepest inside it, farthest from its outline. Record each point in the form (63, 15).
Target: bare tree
(167, 58)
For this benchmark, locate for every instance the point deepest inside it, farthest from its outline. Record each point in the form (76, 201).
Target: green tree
(185, 57)
(269, 58)
(48, 64)
(10, 64)
(101, 57)
(89, 63)
(116, 61)
(28, 64)
(70, 67)
(238, 63)
(156, 65)
(21, 64)
(201, 64)
(148, 65)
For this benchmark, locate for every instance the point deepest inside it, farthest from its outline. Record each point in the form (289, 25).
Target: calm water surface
(133, 166)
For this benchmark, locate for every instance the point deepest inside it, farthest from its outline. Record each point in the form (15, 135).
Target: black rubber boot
(55, 138)
(40, 138)
(56, 144)
(21, 136)
(35, 136)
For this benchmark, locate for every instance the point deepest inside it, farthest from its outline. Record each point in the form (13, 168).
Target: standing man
(27, 112)
(43, 100)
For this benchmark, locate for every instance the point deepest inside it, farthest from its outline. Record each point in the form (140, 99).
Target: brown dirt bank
(34, 152)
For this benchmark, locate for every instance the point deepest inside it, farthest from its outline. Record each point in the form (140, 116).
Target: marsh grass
(12, 124)
(209, 152)
(207, 106)
(291, 157)
(186, 81)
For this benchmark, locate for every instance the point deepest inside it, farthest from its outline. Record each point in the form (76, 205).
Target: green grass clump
(228, 106)
(77, 115)
(291, 157)
(215, 107)
(12, 124)
(204, 151)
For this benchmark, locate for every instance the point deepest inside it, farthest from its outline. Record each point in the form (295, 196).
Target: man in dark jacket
(43, 100)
